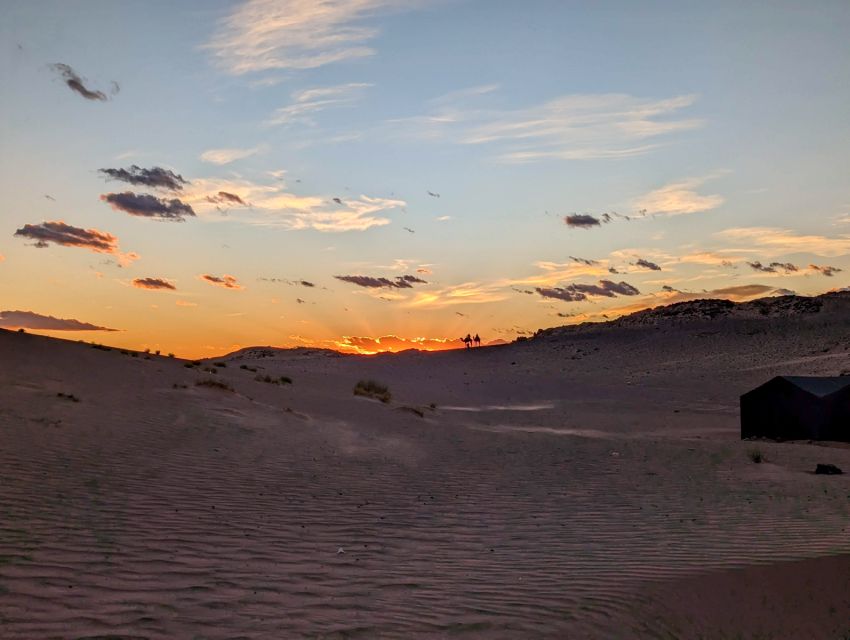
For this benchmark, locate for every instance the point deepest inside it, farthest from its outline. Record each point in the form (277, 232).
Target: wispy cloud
(32, 320)
(226, 156)
(773, 267)
(145, 205)
(554, 272)
(580, 292)
(742, 291)
(825, 270)
(299, 283)
(774, 241)
(679, 198)
(713, 258)
(225, 281)
(224, 197)
(307, 102)
(156, 177)
(274, 205)
(569, 127)
(646, 264)
(57, 232)
(464, 293)
(399, 282)
(76, 84)
(265, 35)
(153, 284)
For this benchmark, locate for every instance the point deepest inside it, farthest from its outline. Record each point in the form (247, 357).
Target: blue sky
(718, 130)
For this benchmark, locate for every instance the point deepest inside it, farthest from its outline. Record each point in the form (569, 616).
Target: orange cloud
(226, 281)
(153, 283)
(771, 241)
(367, 346)
(57, 232)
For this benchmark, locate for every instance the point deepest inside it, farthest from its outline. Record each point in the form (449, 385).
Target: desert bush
(756, 456)
(68, 396)
(372, 389)
(220, 364)
(269, 380)
(214, 384)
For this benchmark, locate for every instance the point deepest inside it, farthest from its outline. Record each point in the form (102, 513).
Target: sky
(369, 175)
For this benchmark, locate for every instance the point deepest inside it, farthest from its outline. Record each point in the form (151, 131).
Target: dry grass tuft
(372, 389)
(214, 384)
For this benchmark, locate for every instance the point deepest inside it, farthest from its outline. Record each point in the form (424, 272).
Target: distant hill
(712, 309)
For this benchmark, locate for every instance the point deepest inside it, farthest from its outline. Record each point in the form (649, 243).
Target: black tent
(798, 408)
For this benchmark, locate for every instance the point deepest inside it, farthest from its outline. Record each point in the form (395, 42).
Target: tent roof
(817, 385)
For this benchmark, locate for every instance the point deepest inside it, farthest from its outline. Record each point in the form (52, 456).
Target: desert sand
(587, 483)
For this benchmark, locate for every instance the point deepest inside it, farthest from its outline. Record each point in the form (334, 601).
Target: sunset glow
(321, 174)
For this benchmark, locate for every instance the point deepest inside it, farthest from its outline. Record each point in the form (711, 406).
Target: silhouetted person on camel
(468, 341)
(477, 340)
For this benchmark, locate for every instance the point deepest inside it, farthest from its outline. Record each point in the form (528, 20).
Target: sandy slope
(588, 483)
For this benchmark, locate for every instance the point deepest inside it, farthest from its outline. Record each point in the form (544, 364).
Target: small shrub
(247, 368)
(170, 355)
(157, 352)
(196, 363)
(214, 384)
(148, 350)
(220, 364)
(756, 456)
(269, 380)
(189, 365)
(22, 330)
(68, 396)
(372, 389)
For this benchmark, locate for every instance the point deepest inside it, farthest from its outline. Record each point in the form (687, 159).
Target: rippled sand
(150, 511)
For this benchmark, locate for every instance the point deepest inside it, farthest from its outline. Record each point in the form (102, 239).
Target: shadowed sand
(588, 483)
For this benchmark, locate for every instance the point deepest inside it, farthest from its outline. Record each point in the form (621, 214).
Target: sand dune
(587, 483)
